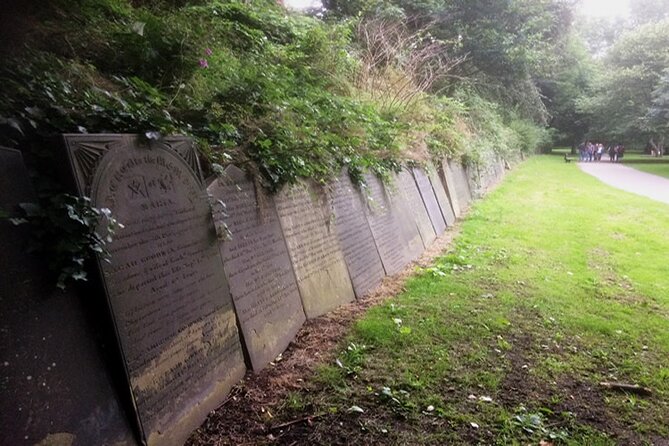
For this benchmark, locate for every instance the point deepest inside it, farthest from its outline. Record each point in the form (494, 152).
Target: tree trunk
(658, 146)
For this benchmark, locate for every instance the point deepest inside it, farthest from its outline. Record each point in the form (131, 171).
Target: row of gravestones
(185, 314)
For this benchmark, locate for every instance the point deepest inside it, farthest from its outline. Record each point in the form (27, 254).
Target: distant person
(621, 152)
(612, 153)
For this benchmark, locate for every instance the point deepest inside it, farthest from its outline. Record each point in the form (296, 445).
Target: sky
(301, 4)
(604, 8)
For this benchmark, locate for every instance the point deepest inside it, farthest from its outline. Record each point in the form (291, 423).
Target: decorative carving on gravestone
(53, 379)
(415, 206)
(258, 268)
(355, 236)
(318, 262)
(395, 233)
(441, 195)
(430, 201)
(168, 297)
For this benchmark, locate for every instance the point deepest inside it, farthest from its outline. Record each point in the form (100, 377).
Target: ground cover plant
(546, 292)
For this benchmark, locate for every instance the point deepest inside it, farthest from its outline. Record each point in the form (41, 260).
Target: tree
(632, 71)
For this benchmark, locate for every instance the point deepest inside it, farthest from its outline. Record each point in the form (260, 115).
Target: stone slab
(55, 381)
(461, 181)
(441, 195)
(447, 177)
(318, 262)
(257, 265)
(429, 197)
(396, 235)
(355, 236)
(169, 300)
(415, 207)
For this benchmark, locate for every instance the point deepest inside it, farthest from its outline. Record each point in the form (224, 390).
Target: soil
(245, 418)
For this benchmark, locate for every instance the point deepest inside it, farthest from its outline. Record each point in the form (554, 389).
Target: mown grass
(647, 163)
(554, 284)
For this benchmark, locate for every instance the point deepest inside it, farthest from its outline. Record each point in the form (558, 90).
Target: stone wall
(182, 310)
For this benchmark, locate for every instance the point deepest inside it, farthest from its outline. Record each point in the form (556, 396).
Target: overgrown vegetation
(283, 95)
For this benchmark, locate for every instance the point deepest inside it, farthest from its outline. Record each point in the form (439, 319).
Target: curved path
(628, 179)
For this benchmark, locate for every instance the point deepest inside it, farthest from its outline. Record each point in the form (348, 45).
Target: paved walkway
(628, 179)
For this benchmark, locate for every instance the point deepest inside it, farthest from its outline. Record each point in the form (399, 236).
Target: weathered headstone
(442, 196)
(318, 262)
(54, 383)
(394, 230)
(462, 182)
(168, 297)
(355, 236)
(427, 193)
(462, 189)
(447, 177)
(258, 268)
(415, 206)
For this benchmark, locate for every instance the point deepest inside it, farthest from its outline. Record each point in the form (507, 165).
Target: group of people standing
(588, 151)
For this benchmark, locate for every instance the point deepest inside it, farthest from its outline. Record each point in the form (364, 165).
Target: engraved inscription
(386, 228)
(317, 260)
(355, 237)
(170, 302)
(258, 269)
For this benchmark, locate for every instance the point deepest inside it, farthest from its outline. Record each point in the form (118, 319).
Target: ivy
(68, 231)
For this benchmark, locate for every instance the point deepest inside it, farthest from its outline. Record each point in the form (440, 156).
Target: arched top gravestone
(166, 291)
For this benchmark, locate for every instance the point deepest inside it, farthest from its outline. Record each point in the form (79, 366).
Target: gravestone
(415, 207)
(396, 235)
(318, 262)
(461, 184)
(355, 236)
(447, 177)
(168, 297)
(430, 201)
(54, 382)
(442, 196)
(258, 268)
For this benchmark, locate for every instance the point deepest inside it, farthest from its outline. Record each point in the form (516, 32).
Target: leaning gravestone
(408, 191)
(430, 201)
(318, 262)
(54, 382)
(355, 236)
(394, 231)
(462, 189)
(168, 297)
(442, 196)
(258, 268)
(448, 178)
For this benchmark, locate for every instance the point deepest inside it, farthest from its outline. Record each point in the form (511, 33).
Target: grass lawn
(555, 284)
(646, 163)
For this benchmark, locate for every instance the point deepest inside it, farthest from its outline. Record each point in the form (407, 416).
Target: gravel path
(628, 179)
